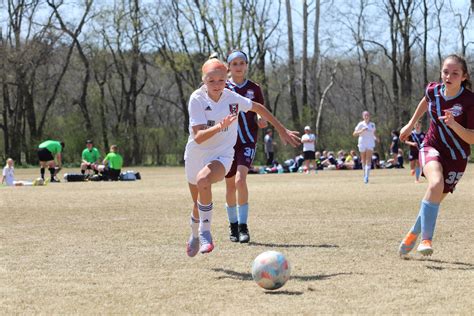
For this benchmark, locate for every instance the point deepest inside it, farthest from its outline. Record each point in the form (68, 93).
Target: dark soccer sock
(51, 171)
(42, 173)
(83, 171)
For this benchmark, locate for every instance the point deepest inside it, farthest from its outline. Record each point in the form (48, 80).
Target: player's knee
(436, 185)
(240, 183)
(203, 182)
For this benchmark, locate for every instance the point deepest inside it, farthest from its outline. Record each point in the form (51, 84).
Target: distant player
(47, 152)
(415, 140)
(446, 147)
(309, 150)
(365, 130)
(90, 158)
(213, 115)
(237, 195)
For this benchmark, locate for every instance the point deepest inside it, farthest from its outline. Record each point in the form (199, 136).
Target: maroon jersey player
(446, 147)
(236, 179)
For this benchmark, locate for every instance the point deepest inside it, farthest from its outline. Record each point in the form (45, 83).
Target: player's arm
(410, 143)
(466, 134)
(286, 135)
(59, 158)
(420, 110)
(357, 132)
(261, 122)
(203, 132)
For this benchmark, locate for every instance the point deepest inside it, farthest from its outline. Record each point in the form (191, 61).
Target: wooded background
(122, 71)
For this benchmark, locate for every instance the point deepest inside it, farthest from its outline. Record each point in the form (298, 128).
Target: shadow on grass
(291, 245)
(283, 292)
(230, 274)
(463, 266)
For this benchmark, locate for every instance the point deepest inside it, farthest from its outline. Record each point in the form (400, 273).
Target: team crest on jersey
(233, 108)
(250, 94)
(456, 110)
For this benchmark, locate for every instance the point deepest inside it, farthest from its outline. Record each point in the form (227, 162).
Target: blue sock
(417, 173)
(231, 213)
(429, 214)
(416, 229)
(243, 213)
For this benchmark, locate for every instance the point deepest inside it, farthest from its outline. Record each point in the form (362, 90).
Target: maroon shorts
(243, 156)
(452, 169)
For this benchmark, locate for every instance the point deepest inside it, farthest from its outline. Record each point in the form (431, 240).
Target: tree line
(121, 71)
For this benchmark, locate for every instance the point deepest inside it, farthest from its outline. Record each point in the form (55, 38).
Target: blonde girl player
(365, 130)
(209, 152)
(237, 194)
(443, 156)
(415, 140)
(8, 173)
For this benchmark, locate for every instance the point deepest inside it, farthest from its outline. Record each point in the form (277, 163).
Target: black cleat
(244, 236)
(234, 232)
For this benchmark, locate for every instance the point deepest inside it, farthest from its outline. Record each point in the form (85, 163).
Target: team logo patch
(233, 108)
(250, 94)
(208, 108)
(456, 110)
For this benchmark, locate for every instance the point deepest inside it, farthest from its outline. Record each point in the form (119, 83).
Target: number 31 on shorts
(249, 152)
(453, 177)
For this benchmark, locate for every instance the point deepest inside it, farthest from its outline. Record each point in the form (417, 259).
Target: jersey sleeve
(196, 113)
(470, 115)
(429, 91)
(259, 95)
(245, 103)
(4, 172)
(358, 127)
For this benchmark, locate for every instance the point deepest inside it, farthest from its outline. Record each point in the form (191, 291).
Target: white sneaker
(425, 248)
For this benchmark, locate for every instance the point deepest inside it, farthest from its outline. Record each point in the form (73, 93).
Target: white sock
(367, 170)
(194, 226)
(205, 217)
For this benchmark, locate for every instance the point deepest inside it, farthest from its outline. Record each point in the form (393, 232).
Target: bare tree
(291, 69)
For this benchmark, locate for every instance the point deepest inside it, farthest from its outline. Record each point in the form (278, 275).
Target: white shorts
(193, 165)
(365, 147)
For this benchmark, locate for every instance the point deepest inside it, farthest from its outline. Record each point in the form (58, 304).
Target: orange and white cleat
(425, 248)
(407, 244)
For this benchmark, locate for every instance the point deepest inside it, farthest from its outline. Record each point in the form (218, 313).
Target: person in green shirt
(112, 164)
(47, 152)
(90, 158)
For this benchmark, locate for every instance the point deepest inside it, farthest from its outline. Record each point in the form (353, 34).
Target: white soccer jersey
(367, 137)
(9, 174)
(308, 146)
(203, 110)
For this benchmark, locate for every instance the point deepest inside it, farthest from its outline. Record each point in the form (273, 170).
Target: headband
(237, 54)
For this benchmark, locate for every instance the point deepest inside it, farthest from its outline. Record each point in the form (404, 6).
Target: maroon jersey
(248, 128)
(439, 135)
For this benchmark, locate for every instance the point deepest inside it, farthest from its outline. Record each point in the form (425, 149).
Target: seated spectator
(112, 165)
(90, 158)
(375, 160)
(330, 162)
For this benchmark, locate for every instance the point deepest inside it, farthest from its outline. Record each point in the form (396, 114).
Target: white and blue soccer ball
(271, 270)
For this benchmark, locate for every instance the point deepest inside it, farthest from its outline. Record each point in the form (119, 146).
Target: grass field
(120, 247)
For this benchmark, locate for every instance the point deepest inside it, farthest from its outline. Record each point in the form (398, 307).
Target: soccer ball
(271, 270)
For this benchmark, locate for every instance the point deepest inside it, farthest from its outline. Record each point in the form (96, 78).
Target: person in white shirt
(209, 152)
(8, 174)
(365, 130)
(308, 140)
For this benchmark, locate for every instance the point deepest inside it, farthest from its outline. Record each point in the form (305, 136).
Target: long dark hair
(467, 84)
